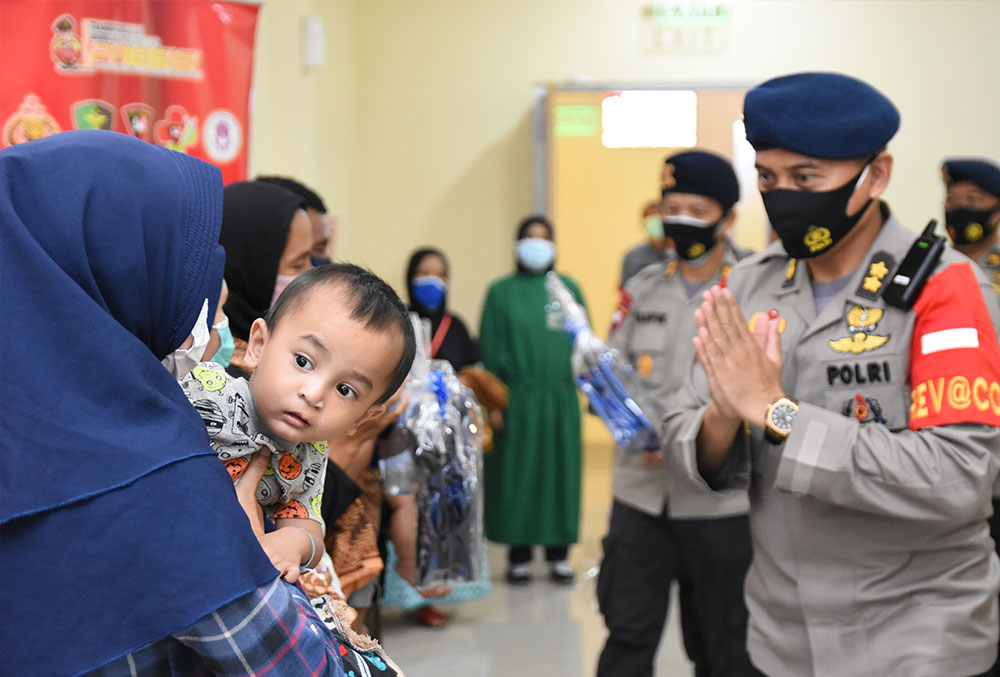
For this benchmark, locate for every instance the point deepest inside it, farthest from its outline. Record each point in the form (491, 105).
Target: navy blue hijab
(118, 526)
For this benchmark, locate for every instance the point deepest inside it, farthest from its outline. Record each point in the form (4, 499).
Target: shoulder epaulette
(881, 264)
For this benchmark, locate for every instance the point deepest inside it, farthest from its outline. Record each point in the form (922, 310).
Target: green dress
(533, 472)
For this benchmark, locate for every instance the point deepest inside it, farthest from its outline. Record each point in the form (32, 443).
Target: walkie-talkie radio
(912, 274)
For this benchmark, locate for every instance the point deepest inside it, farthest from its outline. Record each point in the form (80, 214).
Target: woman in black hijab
(427, 283)
(267, 236)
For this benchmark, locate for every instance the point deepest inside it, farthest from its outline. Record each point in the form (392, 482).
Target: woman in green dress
(533, 472)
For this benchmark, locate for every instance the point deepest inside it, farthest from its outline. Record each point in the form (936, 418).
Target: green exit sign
(685, 14)
(576, 120)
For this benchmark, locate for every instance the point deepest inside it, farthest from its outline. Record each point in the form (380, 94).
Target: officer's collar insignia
(860, 321)
(671, 269)
(865, 409)
(996, 282)
(668, 180)
(881, 264)
(753, 321)
(790, 273)
(993, 259)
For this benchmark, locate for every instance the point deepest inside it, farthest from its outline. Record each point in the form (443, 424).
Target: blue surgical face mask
(226, 348)
(428, 291)
(536, 253)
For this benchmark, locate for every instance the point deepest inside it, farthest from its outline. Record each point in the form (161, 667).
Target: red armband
(621, 312)
(954, 356)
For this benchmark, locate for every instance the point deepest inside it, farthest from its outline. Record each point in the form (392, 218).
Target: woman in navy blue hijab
(118, 525)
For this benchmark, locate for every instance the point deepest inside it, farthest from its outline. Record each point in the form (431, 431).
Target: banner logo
(138, 120)
(92, 115)
(177, 130)
(31, 121)
(223, 136)
(66, 48)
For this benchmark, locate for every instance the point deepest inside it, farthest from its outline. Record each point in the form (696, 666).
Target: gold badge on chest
(645, 365)
(861, 321)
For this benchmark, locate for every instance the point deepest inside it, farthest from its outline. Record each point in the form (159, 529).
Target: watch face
(783, 416)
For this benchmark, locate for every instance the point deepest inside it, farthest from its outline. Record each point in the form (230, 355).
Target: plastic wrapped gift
(435, 452)
(608, 381)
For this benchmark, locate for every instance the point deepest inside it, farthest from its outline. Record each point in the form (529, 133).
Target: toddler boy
(332, 349)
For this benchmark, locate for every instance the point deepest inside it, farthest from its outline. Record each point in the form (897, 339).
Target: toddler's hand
(282, 548)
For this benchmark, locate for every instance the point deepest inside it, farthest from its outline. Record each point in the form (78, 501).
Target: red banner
(172, 72)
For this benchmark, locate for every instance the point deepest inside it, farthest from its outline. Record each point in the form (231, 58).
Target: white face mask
(183, 360)
(685, 220)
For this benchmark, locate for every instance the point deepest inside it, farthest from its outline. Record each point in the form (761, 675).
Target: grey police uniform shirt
(990, 264)
(872, 554)
(655, 337)
(292, 486)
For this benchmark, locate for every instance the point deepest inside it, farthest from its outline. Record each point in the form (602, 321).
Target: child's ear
(373, 412)
(255, 344)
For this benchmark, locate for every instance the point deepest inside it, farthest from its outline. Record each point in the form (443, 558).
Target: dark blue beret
(983, 173)
(822, 115)
(701, 173)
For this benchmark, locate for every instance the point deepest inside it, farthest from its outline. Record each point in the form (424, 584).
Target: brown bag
(490, 391)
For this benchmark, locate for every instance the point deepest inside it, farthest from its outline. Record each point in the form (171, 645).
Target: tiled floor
(539, 629)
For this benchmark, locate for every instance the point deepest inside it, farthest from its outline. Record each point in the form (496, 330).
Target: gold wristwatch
(779, 419)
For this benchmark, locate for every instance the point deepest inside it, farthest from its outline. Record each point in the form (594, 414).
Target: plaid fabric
(270, 631)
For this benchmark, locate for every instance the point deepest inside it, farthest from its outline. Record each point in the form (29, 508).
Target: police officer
(972, 212)
(866, 431)
(702, 542)
(653, 250)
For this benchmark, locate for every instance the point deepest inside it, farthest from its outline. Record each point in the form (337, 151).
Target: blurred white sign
(650, 119)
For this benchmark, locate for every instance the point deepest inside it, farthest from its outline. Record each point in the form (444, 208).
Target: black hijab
(457, 347)
(256, 217)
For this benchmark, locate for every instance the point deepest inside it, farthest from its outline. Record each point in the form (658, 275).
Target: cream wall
(417, 130)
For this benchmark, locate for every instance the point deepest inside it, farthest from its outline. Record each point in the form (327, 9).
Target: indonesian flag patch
(621, 312)
(954, 357)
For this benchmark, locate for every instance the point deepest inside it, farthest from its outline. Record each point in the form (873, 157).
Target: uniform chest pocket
(870, 389)
(648, 351)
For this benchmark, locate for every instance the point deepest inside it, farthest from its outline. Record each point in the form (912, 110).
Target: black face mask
(692, 242)
(968, 226)
(809, 223)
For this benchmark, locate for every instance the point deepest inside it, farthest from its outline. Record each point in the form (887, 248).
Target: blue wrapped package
(435, 453)
(607, 380)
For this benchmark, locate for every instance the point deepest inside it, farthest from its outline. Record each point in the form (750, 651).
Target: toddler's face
(319, 371)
